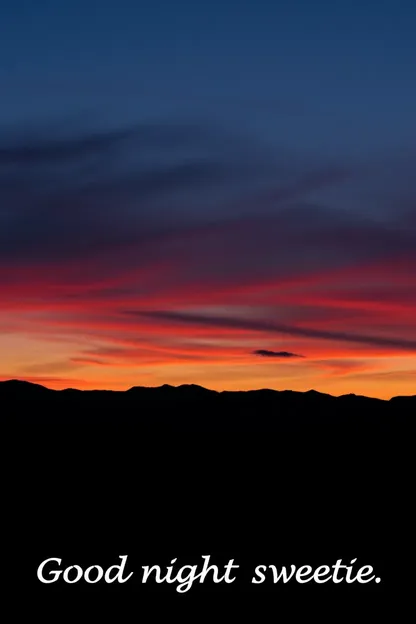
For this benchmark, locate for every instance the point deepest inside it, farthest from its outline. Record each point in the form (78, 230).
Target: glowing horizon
(73, 336)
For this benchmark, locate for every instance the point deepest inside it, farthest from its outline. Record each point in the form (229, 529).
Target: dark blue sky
(322, 74)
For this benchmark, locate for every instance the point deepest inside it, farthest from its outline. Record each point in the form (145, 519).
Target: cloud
(346, 367)
(61, 197)
(168, 232)
(217, 207)
(270, 327)
(39, 149)
(276, 354)
(54, 367)
(66, 194)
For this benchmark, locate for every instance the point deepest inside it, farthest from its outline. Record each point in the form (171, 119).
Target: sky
(219, 193)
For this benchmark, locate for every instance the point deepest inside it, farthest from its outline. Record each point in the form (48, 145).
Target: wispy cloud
(270, 327)
(153, 239)
(276, 354)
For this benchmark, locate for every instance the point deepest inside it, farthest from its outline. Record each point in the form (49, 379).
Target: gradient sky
(218, 193)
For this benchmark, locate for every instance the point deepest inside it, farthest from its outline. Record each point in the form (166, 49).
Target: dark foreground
(262, 478)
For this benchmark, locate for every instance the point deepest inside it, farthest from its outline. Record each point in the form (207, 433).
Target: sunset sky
(220, 193)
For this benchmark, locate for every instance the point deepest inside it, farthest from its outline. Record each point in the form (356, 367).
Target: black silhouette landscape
(23, 390)
(158, 473)
(196, 407)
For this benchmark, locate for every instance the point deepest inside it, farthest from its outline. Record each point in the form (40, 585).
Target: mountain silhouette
(23, 388)
(195, 407)
(27, 389)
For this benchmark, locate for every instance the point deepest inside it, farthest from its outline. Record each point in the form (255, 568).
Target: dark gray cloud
(64, 194)
(276, 354)
(38, 150)
(218, 206)
(71, 195)
(277, 328)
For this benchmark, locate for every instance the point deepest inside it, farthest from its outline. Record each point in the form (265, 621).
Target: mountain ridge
(22, 385)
